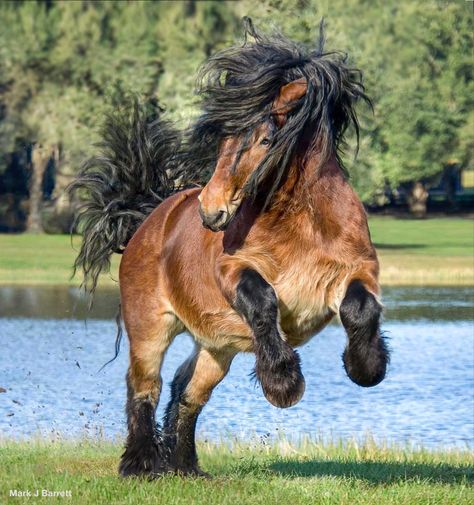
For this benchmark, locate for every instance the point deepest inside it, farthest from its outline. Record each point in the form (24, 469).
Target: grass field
(436, 251)
(429, 252)
(310, 473)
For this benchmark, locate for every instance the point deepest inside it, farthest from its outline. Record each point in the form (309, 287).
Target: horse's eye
(265, 142)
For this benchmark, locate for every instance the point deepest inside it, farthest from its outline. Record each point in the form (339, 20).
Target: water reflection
(49, 369)
(56, 302)
(51, 356)
(401, 303)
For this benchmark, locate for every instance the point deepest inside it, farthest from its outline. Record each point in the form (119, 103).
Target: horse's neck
(311, 189)
(303, 206)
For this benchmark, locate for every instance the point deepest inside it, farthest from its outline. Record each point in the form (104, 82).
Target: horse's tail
(136, 167)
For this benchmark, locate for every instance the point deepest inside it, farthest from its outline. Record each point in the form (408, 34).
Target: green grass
(429, 252)
(40, 259)
(435, 251)
(308, 473)
(431, 237)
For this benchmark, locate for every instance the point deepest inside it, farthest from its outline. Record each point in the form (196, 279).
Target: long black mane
(238, 86)
(143, 159)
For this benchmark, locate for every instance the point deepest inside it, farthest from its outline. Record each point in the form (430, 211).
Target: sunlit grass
(310, 472)
(428, 252)
(447, 237)
(42, 259)
(436, 251)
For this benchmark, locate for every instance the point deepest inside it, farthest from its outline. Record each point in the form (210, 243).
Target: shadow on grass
(399, 247)
(376, 473)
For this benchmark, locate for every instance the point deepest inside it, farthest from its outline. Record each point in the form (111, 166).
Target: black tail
(136, 168)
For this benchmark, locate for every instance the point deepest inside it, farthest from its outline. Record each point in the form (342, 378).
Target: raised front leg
(366, 355)
(190, 391)
(277, 365)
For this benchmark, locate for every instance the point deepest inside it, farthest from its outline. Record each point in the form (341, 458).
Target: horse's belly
(299, 328)
(306, 306)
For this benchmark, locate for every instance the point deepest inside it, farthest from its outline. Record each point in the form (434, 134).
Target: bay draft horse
(259, 260)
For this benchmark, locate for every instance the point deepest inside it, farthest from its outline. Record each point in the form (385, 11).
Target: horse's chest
(306, 299)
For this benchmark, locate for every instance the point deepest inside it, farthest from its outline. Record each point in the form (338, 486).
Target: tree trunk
(40, 157)
(61, 216)
(417, 198)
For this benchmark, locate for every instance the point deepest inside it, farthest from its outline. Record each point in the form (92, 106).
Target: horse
(260, 259)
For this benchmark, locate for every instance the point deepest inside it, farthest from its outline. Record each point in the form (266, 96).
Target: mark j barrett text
(45, 493)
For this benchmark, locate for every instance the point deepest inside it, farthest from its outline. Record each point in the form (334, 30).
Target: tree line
(64, 65)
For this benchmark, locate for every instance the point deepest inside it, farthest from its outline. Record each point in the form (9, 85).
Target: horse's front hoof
(282, 382)
(366, 365)
(283, 396)
(145, 458)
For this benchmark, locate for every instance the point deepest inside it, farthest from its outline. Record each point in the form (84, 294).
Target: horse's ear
(289, 93)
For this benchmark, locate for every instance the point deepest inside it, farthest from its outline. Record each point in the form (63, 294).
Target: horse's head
(240, 156)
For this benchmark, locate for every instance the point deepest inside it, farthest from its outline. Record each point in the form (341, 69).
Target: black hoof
(145, 458)
(366, 365)
(282, 382)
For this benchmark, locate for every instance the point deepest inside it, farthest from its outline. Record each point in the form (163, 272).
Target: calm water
(50, 358)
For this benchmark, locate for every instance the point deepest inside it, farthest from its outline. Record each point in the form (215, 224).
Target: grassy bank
(311, 473)
(430, 252)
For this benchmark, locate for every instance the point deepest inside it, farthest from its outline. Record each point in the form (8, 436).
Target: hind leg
(366, 355)
(190, 390)
(150, 333)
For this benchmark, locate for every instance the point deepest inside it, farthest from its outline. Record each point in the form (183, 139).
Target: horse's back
(151, 231)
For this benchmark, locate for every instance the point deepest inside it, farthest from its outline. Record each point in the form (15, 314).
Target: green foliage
(431, 89)
(64, 64)
(188, 33)
(74, 61)
(417, 62)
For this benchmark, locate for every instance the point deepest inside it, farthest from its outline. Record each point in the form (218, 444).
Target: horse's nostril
(213, 221)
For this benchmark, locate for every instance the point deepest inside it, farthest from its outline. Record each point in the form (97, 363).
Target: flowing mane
(144, 159)
(239, 84)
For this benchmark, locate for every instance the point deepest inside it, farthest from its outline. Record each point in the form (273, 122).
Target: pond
(51, 356)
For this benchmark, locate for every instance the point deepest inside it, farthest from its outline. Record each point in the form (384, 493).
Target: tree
(188, 33)
(75, 60)
(431, 96)
(417, 63)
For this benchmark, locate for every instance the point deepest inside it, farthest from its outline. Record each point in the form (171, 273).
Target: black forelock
(238, 86)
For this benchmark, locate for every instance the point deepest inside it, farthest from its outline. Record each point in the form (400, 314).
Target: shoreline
(395, 271)
(391, 277)
(391, 283)
(278, 443)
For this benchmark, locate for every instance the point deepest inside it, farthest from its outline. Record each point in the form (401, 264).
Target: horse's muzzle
(217, 221)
